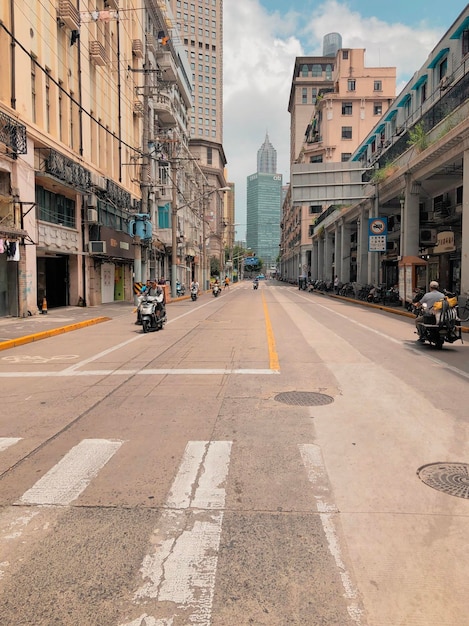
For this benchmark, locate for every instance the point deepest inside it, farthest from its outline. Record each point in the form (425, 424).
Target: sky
(262, 39)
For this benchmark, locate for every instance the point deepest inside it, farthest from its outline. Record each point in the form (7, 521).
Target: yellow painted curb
(19, 341)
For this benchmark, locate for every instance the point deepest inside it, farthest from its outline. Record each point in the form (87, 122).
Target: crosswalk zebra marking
(180, 572)
(64, 482)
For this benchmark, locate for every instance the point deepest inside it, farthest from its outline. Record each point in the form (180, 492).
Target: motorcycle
(152, 312)
(255, 284)
(180, 289)
(440, 326)
(216, 290)
(194, 292)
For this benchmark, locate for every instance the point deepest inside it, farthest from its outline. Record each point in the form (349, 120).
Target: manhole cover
(303, 398)
(452, 478)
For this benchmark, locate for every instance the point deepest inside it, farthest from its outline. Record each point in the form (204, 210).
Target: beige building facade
(334, 103)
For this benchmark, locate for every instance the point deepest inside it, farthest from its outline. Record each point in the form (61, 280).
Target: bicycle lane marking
(179, 572)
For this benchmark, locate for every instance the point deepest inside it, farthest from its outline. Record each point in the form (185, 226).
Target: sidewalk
(15, 331)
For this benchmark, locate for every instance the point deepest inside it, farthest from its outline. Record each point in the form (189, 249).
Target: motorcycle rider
(429, 298)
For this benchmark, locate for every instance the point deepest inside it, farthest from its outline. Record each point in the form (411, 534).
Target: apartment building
(335, 100)
(97, 183)
(414, 166)
(199, 24)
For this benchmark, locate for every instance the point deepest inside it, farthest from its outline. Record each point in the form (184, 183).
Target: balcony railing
(13, 134)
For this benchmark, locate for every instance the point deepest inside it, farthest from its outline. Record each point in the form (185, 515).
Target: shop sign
(444, 243)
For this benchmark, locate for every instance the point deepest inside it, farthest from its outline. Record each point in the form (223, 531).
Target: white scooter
(151, 312)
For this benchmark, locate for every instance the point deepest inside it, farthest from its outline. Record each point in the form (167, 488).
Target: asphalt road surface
(272, 457)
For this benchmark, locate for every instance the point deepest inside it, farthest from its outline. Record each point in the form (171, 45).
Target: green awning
(441, 54)
(461, 28)
(421, 81)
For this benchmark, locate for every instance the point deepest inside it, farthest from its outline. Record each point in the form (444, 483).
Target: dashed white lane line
(179, 573)
(317, 475)
(64, 482)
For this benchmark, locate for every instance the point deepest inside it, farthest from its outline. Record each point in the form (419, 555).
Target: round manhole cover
(303, 398)
(452, 478)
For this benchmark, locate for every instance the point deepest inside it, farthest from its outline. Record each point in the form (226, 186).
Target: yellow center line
(273, 356)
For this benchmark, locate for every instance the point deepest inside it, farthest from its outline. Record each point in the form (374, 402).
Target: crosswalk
(178, 570)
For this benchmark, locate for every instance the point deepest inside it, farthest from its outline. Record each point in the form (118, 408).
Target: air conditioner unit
(97, 247)
(92, 216)
(428, 236)
(99, 182)
(92, 201)
(137, 48)
(157, 193)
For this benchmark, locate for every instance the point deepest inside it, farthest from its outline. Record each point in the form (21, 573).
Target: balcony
(137, 48)
(97, 53)
(67, 15)
(163, 107)
(166, 63)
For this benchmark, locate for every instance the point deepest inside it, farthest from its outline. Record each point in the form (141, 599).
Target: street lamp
(174, 212)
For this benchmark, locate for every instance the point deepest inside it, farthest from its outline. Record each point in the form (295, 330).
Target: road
(272, 457)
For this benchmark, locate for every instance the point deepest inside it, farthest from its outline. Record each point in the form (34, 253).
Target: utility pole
(174, 223)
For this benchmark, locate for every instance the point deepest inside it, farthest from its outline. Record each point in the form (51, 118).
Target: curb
(19, 341)
(381, 307)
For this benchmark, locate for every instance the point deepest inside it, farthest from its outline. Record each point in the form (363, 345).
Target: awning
(390, 115)
(441, 54)
(421, 81)
(380, 129)
(404, 100)
(461, 28)
(10, 231)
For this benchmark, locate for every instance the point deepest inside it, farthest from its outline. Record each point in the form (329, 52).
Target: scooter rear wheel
(146, 326)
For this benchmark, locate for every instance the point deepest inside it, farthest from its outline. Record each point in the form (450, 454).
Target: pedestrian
(336, 284)
(226, 283)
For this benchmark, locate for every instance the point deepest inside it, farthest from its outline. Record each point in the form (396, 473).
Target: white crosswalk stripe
(180, 570)
(64, 482)
(6, 442)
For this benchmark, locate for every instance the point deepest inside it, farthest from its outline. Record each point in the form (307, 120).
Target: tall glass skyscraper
(264, 201)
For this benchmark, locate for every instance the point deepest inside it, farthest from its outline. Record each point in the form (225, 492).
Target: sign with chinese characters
(377, 234)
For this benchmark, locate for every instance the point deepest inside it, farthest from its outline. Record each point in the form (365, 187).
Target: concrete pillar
(314, 260)
(338, 249)
(344, 275)
(328, 256)
(321, 258)
(465, 226)
(411, 219)
(362, 248)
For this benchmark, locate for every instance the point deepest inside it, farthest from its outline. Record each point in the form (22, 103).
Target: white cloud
(259, 56)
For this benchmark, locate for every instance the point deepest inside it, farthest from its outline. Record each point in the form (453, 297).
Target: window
(33, 88)
(163, 216)
(328, 72)
(346, 108)
(317, 158)
(465, 42)
(315, 208)
(55, 208)
(351, 84)
(346, 132)
(304, 95)
(304, 71)
(377, 85)
(317, 70)
(345, 156)
(345, 54)
(377, 108)
(443, 68)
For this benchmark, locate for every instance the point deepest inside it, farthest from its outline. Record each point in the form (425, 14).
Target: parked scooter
(194, 292)
(443, 325)
(152, 312)
(216, 290)
(180, 289)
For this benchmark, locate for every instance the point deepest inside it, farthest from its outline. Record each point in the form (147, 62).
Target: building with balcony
(414, 164)
(335, 100)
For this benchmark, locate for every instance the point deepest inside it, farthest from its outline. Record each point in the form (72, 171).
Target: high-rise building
(199, 26)
(264, 198)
